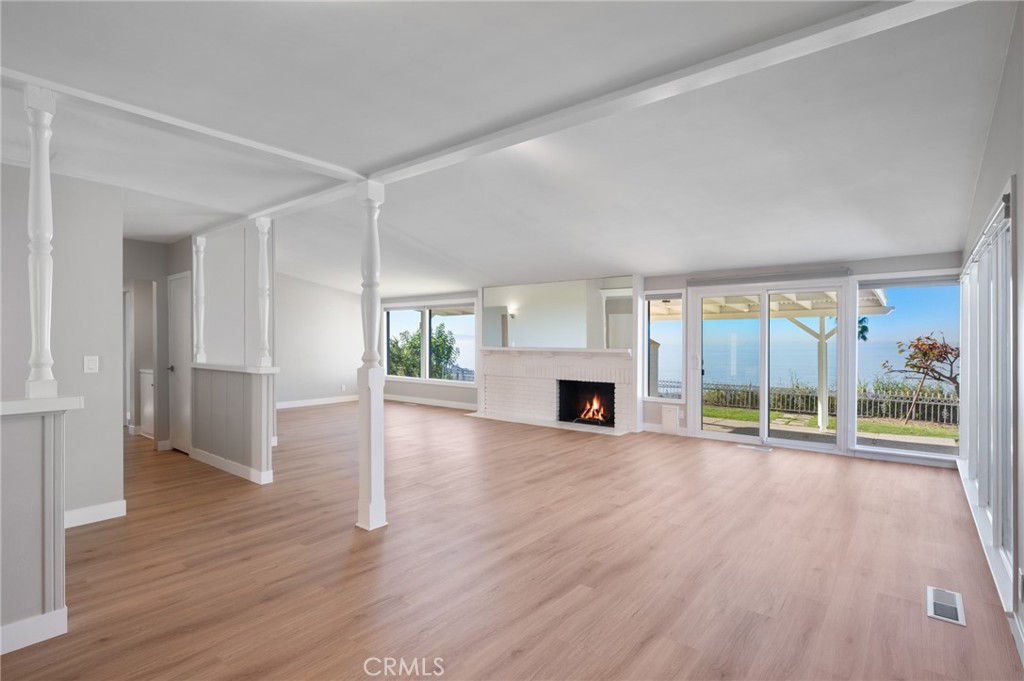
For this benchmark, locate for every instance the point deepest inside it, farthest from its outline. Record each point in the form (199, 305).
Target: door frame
(191, 353)
(695, 343)
(763, 289)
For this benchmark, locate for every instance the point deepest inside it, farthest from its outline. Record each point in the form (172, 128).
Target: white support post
(372, 513)
(199, 299)
(822, 376)
(40, 106)
(263, 299)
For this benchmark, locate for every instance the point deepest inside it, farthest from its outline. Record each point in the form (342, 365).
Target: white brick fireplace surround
(521, 384)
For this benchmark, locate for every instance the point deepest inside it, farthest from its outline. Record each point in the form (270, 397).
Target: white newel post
(40, 105)
(371, 374)
(263, 298)
(199, 299)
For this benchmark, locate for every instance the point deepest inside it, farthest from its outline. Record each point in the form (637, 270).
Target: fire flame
(594, 410)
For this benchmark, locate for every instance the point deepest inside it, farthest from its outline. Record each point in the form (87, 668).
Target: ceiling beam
(194, 131)
(875, 18)
(290, 207)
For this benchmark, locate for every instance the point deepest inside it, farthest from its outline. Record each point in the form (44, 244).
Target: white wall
(87, 320)
(224, 272)
(1004, 157)
(318, 331)
(551, 315)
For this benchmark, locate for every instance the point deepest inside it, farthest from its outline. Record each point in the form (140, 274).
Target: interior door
(179, 292)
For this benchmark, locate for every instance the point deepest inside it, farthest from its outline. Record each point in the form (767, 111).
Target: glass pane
(404, 341)
(908, 348)
(665, 347)
(730, 338)
(452, 343)
(802, 366)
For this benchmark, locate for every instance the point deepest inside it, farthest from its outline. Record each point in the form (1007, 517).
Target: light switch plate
(91, 365)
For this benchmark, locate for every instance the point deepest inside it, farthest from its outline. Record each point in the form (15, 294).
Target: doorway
(179, 371)
(767, 365)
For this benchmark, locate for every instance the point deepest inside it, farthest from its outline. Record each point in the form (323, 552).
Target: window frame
(424, 308)
(645, 350)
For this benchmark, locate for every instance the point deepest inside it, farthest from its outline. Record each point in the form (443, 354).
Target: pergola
(800, 308)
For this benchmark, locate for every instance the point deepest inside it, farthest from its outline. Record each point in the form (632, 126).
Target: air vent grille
(947, 606)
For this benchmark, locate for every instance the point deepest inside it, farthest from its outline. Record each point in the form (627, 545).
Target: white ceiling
(868, 149)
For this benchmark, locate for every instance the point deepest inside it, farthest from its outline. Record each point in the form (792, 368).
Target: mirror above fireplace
(594, 314)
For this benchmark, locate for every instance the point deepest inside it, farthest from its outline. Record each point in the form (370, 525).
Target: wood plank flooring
(518, 552)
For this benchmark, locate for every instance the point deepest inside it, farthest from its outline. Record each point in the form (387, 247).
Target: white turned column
(199, 299)
(263, 297)
(371, 374)
(40, 105)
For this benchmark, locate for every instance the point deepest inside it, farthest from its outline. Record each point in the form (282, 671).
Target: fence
(804, 400)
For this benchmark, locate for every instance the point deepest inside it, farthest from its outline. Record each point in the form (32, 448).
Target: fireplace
(587, 402)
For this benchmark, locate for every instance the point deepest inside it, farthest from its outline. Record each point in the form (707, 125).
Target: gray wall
(87, 320)
(319, 340)
(1004, 156)
(431, 392)
(179, 256)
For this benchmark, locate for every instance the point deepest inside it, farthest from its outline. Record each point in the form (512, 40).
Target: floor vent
(947, 606)
(757, 447)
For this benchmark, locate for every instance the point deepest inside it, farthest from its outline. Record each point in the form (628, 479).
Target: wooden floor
(518, 552)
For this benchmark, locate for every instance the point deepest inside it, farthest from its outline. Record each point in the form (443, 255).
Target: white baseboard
(1018, 634)
(652, 428)
(93, 514)
(273, 441)
(449, 404)
(33, 630)
(133, 430)
(164, 446)
(316, 402)
(250, 474)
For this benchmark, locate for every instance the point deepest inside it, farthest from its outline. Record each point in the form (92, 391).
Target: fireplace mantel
(624, 353)
(521, 384)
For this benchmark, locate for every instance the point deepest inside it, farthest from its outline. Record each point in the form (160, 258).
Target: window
(452, 347)
(908, 366)
(989, 371)
(450, 353)
(404, 341)
(665, 358)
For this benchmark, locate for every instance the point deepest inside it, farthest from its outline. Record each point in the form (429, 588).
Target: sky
(731, 346)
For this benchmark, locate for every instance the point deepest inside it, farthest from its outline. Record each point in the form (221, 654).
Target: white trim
(134, 430)
(1017, 629)
(1002, 574)
(164, 446)
(317, 401)
(155, 120)
(76, 517)
(448, 404)
(40, 405)
(31, 630)
(854, 25)
(232, 467)
(236, 368)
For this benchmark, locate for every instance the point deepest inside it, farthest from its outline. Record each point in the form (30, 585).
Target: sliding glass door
(731, 371)
(802, 360)
(768, 363)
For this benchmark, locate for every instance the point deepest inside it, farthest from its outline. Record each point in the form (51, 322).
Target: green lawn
(875, 426)
(735, 414)
(892, 427)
